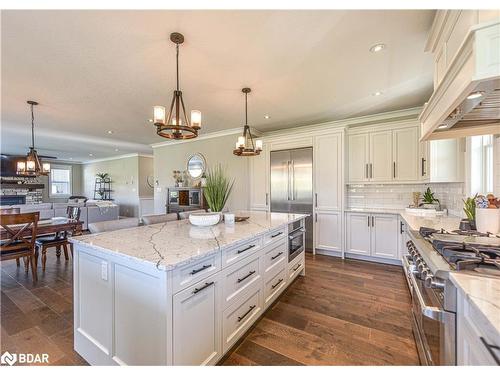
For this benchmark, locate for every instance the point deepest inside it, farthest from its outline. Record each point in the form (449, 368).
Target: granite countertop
(447, 223)
(174, 243)
(483, 293)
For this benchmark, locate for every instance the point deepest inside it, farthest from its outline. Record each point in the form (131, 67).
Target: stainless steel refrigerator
(292, 185)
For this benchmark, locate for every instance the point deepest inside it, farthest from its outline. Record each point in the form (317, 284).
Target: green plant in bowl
(428, 197)
(218, 188)
(470, 208)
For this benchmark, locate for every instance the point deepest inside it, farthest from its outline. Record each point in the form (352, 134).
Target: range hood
(467, 100)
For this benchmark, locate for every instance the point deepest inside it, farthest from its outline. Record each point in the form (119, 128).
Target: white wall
(126, 180)
(216, 150)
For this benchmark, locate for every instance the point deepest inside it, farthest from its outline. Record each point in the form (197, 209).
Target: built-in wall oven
(296, 239)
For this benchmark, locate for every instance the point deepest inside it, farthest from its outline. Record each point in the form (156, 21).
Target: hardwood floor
(342, 313)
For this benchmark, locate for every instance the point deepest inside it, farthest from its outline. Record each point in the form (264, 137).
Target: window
(60, 181)
(481, 164)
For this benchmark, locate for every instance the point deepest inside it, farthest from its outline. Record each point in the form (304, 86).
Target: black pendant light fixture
(176, 125)
(245, 145)
(31, 166)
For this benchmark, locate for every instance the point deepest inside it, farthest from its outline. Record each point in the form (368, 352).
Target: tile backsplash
(450, 195)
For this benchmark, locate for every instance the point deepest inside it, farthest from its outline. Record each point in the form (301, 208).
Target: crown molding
(202, 137)
(124, 156)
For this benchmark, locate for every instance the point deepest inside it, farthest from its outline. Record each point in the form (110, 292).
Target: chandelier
(176, 125)
(31, 166)
(245, 145)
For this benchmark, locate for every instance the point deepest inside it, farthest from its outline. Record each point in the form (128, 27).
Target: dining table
(49, 226)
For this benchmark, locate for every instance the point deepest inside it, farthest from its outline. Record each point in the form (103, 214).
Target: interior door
(380, 168)
(405, 152)
(384, 236)
(280, 181)
(358, 233)
(358, 157)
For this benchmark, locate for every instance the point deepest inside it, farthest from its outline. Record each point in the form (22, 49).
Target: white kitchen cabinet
(384, 156)
(358, 157)
(384, 236)
(447, 160)
(373, 235)
(328, 171)
(328, 227)
(380, 167)
(405, 151)
(358, 233)
(328, 191)
(196, 323)
(259, 181)
(424, 161)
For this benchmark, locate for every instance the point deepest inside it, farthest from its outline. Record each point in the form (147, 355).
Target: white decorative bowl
(204, 219)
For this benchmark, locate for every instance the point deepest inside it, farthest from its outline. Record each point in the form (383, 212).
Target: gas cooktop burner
(464, 255)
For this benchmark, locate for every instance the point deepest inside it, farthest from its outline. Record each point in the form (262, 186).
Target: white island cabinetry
(173, 294)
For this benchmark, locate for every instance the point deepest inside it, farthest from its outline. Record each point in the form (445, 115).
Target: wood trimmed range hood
(466, 98)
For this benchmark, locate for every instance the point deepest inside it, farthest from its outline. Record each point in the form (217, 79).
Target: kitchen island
(175, 294)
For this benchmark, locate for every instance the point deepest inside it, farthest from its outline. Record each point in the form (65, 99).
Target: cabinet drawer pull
(368, 217)
(373, 221)
(296, 268)
(371, 170)
(278, 283)
(423, 170)
(197, 290)
(491, 349)
(401, 227)
(194, 272)
(240, 318)
(246, 277)
(277, 255)
(277, 234)
(245, 249)
(394, 169)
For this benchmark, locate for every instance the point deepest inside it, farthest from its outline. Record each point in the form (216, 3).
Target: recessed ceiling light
(377, 47)
(70, 158)
(116, 149)
(377, 93)
(442, 126)
(267, 117)
(475, 95)
(91, 154)
(110, 131)
(150, 120)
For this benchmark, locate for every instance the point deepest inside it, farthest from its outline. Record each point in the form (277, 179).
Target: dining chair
(6, 211)
(21, 244)
(58, 240)
(160, 218)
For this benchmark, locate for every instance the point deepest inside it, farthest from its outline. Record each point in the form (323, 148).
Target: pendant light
(245, 145)
(31, 166)
(176, 125)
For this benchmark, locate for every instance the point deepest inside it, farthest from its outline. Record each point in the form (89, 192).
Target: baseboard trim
(338, 254)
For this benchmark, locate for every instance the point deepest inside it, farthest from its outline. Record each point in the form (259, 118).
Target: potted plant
(102, 176)
(470, 212)
(429, 201)
(217, 190)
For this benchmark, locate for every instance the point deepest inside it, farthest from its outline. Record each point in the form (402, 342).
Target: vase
(204, 219)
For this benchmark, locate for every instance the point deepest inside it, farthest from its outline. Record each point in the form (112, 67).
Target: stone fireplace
(26, 192)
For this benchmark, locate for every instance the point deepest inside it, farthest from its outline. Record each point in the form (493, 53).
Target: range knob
(420, 265)
(428, 280)
(425, 272)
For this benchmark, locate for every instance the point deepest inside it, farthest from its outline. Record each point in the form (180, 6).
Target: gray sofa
(89, 213)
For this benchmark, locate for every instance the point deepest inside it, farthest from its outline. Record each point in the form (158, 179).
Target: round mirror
(196, 165)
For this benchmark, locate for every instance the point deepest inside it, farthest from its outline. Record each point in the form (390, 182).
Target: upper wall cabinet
(388, 155)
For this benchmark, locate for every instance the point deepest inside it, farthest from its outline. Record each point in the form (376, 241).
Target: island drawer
(235, 253)
(195, 271)
(296, 266)
(275, 255)
(240, 316)
(240, 277)
(275, 235)
(274, 284)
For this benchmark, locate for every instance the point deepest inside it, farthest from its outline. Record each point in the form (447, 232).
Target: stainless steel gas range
(432, 255)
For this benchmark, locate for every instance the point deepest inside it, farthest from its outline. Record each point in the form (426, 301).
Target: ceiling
(94, 71)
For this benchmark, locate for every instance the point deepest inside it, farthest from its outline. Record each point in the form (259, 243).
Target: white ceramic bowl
(204, 219)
